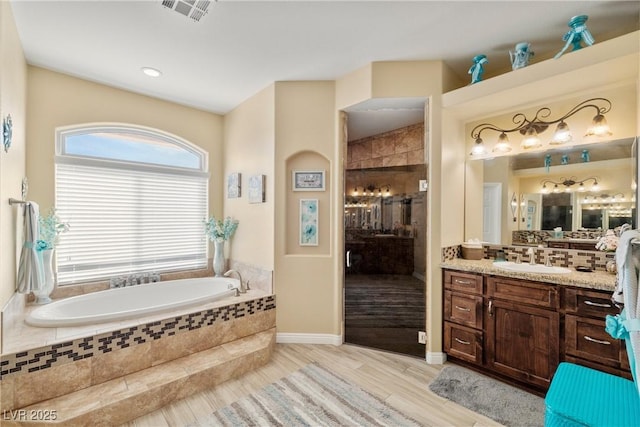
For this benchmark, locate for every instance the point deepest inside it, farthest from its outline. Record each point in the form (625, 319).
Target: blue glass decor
(585, 156)
(477, 69)
(578, 33)
(520, 58)
(547, 162)
(564, 159)
(7, 132)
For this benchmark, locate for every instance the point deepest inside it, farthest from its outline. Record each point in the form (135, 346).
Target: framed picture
(308, 222)
(308, 180)
(257, 189)
(234, 186)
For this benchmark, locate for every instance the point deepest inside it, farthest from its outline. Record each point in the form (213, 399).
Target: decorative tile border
(538, 236)
(595, 260)
(82, 348)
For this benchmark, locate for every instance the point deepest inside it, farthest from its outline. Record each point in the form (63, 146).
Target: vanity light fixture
(531, 128)
(372, 190)
(567, 184)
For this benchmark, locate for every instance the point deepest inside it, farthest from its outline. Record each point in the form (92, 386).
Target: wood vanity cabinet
(585, 339)
(584, 246)
(520, 329)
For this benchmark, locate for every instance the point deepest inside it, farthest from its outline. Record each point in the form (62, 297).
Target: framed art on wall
(308, 180)
(308, 222)
(257, 189)
(234, 185)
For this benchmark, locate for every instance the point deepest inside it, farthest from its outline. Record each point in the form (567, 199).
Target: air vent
(194, 9)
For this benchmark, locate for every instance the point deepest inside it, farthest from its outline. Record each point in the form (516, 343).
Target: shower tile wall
(399, 147)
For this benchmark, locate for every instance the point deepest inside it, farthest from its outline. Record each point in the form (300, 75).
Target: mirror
(555, 189)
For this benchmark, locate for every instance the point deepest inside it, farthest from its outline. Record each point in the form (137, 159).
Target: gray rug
(499, 401)
(311, 396)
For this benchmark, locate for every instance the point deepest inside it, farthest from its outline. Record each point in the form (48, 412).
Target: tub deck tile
(123, 399)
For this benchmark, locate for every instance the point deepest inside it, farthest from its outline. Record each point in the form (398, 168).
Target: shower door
(384, 218)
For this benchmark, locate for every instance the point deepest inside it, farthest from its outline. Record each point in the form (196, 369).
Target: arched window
(135, 199)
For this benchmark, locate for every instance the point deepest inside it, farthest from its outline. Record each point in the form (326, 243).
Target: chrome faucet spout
(532, 256)
(242, 288)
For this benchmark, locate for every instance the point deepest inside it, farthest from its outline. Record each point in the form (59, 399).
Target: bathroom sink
(529, 268)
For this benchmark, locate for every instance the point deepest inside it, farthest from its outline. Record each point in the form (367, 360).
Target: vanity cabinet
(585, 339)
(521, 330)
(583, 246)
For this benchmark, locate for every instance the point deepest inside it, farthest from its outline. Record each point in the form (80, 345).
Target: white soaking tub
(130, 302)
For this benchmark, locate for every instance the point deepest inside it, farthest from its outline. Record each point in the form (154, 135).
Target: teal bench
(581, 396)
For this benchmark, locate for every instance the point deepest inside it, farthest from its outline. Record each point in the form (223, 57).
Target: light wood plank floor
(401, 381)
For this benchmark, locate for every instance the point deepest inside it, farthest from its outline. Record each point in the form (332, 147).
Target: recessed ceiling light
(151, 72)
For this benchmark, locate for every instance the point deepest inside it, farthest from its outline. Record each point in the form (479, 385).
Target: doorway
(385, 241)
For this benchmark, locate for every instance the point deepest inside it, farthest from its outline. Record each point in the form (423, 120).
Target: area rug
(501, 402)
(311, 396)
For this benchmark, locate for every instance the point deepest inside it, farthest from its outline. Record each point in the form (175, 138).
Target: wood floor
(401, 381)
(385, 311)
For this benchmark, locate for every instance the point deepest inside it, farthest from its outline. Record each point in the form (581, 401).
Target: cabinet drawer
(464, 282)
(584, 302)
(463, 343)
(561, 245)
(587, 339)
(522, 291)
(463, 309)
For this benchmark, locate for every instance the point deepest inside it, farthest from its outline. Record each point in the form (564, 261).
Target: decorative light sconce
(523, 207)
(531, 128)
(568, 183)
(514, 206)
(372, 190)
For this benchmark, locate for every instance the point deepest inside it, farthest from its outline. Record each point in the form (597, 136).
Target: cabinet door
(463, 309)
(522, 342)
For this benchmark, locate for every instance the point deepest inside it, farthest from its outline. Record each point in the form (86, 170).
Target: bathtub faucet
(242, 289)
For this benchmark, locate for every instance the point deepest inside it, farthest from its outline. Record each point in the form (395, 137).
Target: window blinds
(125, 221)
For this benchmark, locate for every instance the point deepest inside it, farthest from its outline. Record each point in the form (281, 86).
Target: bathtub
(133, 301)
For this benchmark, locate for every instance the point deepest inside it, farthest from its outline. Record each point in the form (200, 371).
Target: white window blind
(128, 220)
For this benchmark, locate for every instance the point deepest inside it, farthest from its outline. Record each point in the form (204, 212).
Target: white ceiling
(240, 47)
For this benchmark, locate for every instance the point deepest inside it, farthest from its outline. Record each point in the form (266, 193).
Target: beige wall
(13, 93)
(249, 135)
(56, 99)
(306, 279)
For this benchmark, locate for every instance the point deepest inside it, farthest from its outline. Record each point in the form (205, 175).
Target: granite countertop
(600, 280)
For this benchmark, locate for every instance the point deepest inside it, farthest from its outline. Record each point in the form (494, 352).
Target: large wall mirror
(579, 190)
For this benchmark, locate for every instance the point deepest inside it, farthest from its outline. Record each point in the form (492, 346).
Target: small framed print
(257, 189)
(308, 222)
(308, 180)
(234, 185)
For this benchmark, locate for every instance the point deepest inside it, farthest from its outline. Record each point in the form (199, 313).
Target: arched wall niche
(308, 161)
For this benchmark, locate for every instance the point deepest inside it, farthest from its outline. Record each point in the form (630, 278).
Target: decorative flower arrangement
(609, 242)
(218, 230)
(50, 226)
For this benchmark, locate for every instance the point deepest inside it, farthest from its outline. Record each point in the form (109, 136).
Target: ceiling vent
(194, 9)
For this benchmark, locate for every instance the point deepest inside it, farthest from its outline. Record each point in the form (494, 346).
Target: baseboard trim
(293, 338)
(434, 358)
